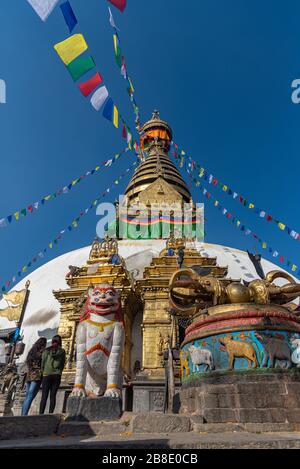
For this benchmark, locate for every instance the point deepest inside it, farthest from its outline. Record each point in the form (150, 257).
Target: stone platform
(143, 431)
(257, 396)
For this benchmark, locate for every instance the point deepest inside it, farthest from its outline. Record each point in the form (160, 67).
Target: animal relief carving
(239, 349)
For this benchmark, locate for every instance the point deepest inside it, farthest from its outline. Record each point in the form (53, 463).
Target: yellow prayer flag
(131, 85)
(225, 188)
(281, 226)
(294, 268)
(116, 44)
(17, 215)
(69, 49)
(116, 117)
(264, 245)
(251, 206)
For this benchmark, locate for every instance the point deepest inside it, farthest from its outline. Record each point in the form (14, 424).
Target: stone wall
(261, 396)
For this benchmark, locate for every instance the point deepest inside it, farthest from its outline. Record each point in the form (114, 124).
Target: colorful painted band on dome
(238, 320)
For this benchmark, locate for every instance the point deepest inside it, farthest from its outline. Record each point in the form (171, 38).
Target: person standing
(180, 257)
(34, 373)
(53, 363)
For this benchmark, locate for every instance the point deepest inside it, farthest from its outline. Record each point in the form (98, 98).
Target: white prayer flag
(99, 98)
(111, 19)
(43, 8)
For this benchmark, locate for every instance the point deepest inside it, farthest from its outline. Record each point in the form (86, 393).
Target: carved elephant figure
(275, 349)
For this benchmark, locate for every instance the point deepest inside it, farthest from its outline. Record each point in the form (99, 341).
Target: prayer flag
(111, 19)
(90, 85)
(71, 48)
(120, 4)
(116, 117)
(69, 15)
(44, 7)
(81, 66)
(124, 69)
(111, 112)
(99, 98)
(117, 48)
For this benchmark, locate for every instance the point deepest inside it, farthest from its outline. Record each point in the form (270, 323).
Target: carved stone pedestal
(83, 409)
(149, 396)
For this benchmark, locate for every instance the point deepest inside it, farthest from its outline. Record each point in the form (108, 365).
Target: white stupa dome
(42, 315)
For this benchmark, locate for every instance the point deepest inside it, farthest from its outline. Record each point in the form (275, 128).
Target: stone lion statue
(100, 343)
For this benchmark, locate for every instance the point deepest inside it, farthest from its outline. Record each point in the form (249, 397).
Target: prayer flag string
(33, 207)
(214, 181)
(73, 225)
(276, 255)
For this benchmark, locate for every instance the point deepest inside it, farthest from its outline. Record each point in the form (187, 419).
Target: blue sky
(220, 72)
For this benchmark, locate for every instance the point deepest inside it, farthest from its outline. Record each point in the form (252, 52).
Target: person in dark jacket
(53, 363)
(34, 373)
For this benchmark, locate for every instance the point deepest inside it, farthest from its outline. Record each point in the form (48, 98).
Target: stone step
(29, 427)
(237, 440)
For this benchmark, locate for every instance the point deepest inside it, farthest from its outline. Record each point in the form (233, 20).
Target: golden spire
(156, 138)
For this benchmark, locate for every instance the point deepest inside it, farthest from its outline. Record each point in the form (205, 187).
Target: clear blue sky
(220, 71)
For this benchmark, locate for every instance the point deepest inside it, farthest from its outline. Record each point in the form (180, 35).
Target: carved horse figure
(100, 343)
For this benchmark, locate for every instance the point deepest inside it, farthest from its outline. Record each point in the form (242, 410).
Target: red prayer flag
(124, 132)
(120, 4)
(269, 218)
(90, 85)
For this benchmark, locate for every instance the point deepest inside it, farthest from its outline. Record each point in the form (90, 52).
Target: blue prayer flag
(69, 15)
(108, 109)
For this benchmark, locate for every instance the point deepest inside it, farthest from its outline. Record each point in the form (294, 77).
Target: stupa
(140, 265)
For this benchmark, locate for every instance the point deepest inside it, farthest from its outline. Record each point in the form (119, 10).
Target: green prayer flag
(80, 66)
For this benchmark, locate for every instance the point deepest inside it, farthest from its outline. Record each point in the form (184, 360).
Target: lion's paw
(114, 393)
(77, 392)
